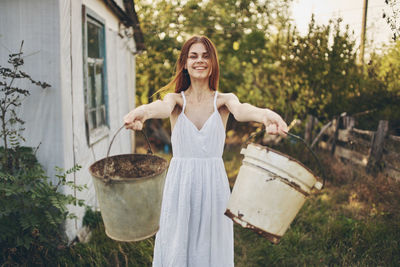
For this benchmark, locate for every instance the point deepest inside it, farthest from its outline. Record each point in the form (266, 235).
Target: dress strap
(184, 100)
(215, 100)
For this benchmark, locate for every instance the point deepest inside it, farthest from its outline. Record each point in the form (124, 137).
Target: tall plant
(32, 209)
(12, 97)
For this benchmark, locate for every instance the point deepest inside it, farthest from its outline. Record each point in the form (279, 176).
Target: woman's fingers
(135, 126)
(134, 120)
(274, 124)
(283, 128)
(129, 118)
(272, 128)
(133, 115)
(277, 126)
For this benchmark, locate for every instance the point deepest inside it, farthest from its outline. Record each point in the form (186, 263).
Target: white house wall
(38, 25)
(121, 87)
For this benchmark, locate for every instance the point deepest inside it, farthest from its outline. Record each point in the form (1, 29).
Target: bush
(32, 210)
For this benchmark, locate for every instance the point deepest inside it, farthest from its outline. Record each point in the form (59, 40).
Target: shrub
(32, 209)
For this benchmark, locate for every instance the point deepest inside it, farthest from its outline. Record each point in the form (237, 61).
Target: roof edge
(128, 18)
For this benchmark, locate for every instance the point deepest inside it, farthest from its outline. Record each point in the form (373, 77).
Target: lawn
(353, 221)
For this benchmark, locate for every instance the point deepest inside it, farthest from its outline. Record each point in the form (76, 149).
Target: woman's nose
(200, 59)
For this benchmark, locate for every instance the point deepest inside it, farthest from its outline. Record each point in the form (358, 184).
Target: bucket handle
(106, 177)
(304, 142)
(149, 151)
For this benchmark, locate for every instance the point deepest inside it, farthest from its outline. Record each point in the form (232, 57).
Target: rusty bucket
(270, 189)
(129, 190)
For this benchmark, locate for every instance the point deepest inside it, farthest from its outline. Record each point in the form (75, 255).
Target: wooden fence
(374, 150)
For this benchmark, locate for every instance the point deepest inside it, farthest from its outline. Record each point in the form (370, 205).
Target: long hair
(181, 80)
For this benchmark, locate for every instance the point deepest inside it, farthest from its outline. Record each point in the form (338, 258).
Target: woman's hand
(274, 124)
(134, 120)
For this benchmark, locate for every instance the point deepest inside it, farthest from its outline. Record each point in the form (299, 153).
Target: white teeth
(200, 68)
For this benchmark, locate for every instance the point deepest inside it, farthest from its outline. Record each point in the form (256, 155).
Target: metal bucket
(129, 190)
(270, 189)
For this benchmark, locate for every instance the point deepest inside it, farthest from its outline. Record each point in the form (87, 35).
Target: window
(94, 73)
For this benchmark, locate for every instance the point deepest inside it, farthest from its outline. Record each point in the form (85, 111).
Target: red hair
(181, 79)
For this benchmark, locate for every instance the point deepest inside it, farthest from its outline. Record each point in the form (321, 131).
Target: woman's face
(198, 63)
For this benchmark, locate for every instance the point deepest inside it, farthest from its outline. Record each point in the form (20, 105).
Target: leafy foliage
(236, 27)
(12, 97)
(316, 73)
(380, 91)
(353, 221)
(32, 208)
(266, 62)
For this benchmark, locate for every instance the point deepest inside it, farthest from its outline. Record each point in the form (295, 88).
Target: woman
(193, 228)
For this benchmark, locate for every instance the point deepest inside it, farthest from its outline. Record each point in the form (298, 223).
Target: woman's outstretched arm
(159, 109)
(274, 124)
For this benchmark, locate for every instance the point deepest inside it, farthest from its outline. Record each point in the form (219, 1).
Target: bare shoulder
(225, 98)
(223, 101)
(177, 101)
(172, 96)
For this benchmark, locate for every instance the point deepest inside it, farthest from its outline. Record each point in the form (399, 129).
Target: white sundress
(194, 232)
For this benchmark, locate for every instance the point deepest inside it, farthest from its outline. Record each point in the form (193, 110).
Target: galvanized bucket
(270, 189)
(129, 191)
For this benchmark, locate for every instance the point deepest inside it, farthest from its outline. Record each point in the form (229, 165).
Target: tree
(263, 58)
(239, 29)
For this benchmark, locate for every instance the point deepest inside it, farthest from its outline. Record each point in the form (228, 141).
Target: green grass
(103, 251)
(353, 221)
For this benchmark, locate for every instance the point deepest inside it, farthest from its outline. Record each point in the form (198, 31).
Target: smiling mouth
(200, 68)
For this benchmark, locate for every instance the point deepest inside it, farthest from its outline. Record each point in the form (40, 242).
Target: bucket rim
(130, 179)
(135, 239)
(287, 156)
(273, 238)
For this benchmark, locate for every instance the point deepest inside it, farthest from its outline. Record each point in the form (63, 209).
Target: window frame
(96, 134)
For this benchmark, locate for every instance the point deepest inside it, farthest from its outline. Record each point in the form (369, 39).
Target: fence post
(348, 122)
(309, 128)
(339, 124)
(336, 134)
(377, 145)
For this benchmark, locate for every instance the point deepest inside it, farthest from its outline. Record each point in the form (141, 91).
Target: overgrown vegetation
(353, 221)
(103, 251)
(265, 61)
(33, 209)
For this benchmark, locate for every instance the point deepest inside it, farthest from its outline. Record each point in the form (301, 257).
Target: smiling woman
(193, 228)
(196, 50)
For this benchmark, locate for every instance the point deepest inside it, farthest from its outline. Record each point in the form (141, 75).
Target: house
(85, 49)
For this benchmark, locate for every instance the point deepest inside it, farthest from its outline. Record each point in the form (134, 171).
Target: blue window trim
(90, 15)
